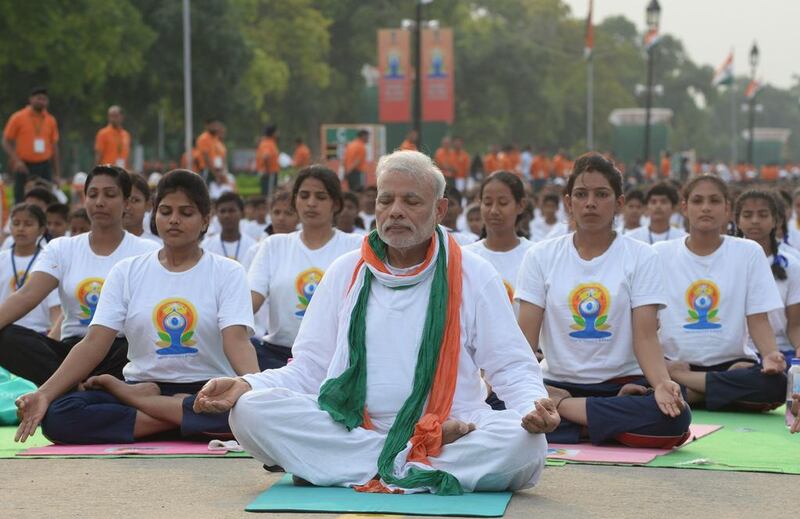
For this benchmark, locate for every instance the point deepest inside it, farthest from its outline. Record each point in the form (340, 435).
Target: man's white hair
(415, 164)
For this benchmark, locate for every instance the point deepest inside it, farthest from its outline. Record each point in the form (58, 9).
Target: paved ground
(220, 488)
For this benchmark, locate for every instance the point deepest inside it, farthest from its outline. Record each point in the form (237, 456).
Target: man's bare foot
(676, 366)
(455, 429)
(126, 393)
(632, 390)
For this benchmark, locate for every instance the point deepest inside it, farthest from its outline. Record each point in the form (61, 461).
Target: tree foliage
(520, 73)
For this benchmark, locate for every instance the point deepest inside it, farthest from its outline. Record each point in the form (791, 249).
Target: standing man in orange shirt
(30, 140)
(112, 145)
(410, 142)
(212, 152)
(491, 162)
(302, 155)
(460, 161)
(355, 158)
(444, 159)
(666, 165)
(267, 160)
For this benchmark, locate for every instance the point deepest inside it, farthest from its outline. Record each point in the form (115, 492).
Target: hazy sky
(709, 28)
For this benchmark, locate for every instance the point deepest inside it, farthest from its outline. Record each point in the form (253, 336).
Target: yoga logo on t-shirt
(175, 320)
(21, 275)
(702, 298)
(88, 294)
(306, 284)
(589, 303)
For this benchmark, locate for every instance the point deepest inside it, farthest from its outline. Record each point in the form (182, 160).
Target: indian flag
(724, 73)
(588, 45)
(752, 88)
(651, 38)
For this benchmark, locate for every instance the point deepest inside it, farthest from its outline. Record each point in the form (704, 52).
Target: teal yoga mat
(283, 496)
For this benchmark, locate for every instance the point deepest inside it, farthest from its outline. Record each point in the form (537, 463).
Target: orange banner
(394, 85)
(437, 75)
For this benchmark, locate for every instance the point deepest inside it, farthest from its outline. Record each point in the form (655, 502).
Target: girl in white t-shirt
(589, 301)
(28, 224)
(77, 266)
(758, 216)
(137, 217)
(187, 314)
(231, 242)
(502, 200)
(720, 287)
(288, 267)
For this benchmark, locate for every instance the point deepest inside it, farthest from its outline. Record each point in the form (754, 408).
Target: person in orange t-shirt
(30, 139)
(665, 168)
(444, 159)
(112, 145)
(410, 142)
(769, 172)
(302, 155)
(460, 161)
(267, 164)
(355, 158)
(540, 171)
(491, 162)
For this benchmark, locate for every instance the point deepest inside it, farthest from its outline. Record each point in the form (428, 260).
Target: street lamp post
(752, 105)
(653, 17)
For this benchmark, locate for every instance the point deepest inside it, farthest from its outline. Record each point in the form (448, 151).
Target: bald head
(115, 116)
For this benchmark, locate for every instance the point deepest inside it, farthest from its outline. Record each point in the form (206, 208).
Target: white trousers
(280, 427)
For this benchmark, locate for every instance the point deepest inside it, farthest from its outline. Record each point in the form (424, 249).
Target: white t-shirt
(256, 230)
(709, 298)
(644, 234)
(539, 229)
(173, 320)
(287, 273)
(81, 274)
(789, 290)
(235, 250)
(261, 318)
(507, 263)
(559, 229)
(464, 238)
(367, 219)
(587, 332)
(37, 319)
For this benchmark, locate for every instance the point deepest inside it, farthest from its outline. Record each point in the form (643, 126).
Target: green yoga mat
(283, 496)
(747, 442)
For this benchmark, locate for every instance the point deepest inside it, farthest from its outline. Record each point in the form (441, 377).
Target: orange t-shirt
(769, 173)
(460, 162)
(113, 145)
(649, 170)
(206, 147)
(540, 168)
(666, 167)
(490, 163)
(444, 159)
(301, 157)
(34, 134)
(355, 155)
(558, 165)
(408, 145)
(267, 156)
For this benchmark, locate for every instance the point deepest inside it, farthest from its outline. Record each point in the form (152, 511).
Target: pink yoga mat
(617, 453)
(125, 449)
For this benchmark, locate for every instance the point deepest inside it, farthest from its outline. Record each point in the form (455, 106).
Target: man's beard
(418, 235)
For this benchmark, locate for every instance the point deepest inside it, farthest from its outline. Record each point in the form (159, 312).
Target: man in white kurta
(278, 420)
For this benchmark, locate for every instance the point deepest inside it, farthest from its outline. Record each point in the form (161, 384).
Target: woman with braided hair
(758, 214)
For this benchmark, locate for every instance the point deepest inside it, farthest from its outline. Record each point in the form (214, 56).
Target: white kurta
(280, 422)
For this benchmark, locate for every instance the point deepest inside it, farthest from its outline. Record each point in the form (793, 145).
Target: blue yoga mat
(283, 496)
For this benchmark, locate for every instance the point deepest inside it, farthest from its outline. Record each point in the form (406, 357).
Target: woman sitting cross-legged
(188, 318)
(589, 300)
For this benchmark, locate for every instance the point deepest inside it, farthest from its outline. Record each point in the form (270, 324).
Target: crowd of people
(436, 333)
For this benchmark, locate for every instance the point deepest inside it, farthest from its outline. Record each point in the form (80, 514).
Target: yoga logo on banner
(175, 320)
(590, 303)
(88, 294)
(306, 284)
(702, 298)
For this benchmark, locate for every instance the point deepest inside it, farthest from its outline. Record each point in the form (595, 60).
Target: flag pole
(590, 103)
(734, 151)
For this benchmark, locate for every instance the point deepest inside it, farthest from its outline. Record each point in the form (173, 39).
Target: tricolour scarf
(435, 375)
